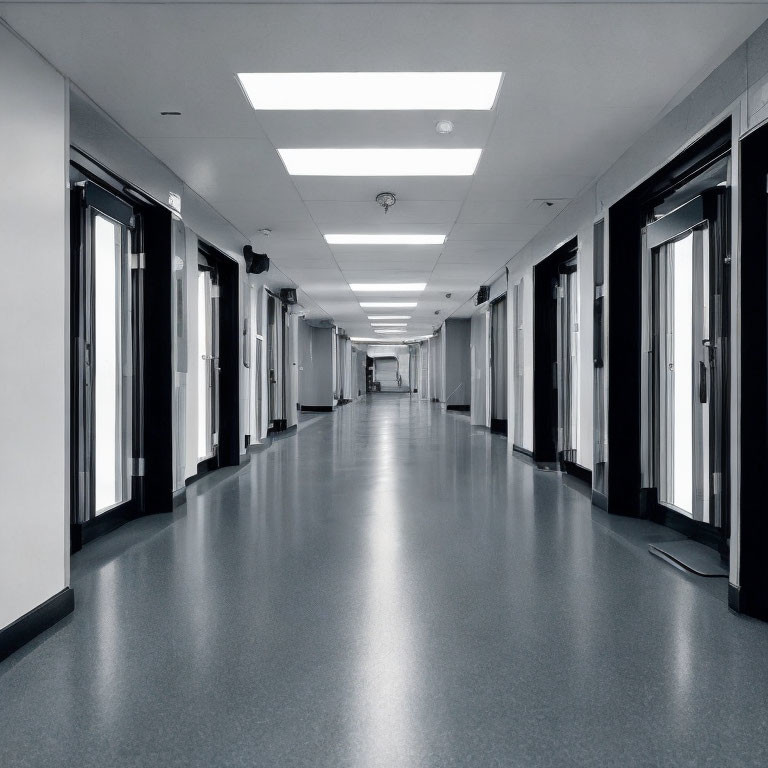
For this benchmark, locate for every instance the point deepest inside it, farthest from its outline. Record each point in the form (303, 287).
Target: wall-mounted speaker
(288, 295)
(483, 294)
(255, 263)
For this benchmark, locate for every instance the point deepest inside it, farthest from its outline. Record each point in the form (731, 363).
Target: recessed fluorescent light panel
(375, 161)
(389, 317)
(388, 324)
(371, 90)
(386, 287)
(384, 239)
(389, 330)
(393, 304)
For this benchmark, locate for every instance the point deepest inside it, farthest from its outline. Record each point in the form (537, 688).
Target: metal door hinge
(138, 467)
(138, 261)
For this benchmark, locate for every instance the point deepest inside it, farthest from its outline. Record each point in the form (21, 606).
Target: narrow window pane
(107, 373)
(681, 354)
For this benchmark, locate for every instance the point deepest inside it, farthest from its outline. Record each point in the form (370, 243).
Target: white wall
(34, 331)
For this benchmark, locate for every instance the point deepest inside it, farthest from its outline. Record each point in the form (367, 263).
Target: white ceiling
(582, 83)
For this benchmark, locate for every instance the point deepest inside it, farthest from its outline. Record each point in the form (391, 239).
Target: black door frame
(228, 453)
(152, 477)
(626, 220)
(546, 274)
(499, 426)
(711, 207)
(751, 594)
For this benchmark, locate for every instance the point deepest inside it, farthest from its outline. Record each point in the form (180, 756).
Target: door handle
(702, 382)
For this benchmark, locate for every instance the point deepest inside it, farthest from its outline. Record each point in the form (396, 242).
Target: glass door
(518, 363)
(103, 353)
(499, 365)
(686, 367)
(208, 360)
(275, 363)
(567, 327)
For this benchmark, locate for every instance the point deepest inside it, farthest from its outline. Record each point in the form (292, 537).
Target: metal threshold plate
(690, 556)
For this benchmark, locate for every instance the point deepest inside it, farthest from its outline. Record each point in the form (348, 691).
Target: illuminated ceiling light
(444, 126)
(384, 239)
(376, 161)
(403, 304)
(387, 324)
(386, 287)
(389, 317)
(389, 330)
(360, 338)
(371, 90)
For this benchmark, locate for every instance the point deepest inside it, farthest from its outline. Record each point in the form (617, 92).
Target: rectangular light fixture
(386, 287)
(388, 324)
(394, 304)
(389, 317)
(384, 239)
(389, 330)
(371, 90)
(377, 161)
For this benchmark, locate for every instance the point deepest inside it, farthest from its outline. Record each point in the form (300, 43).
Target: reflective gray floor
(390, 587)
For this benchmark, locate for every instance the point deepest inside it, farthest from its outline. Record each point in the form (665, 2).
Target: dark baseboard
(499, 426)
(278, 425)
(599, 500)
(244, 458)
(180, 496)
(457, 407)
(318, 408)
(81, 534)
(577, 471)
(203, 468)
(31, 624)
(746, 601)
(285, 433)
(524, 451)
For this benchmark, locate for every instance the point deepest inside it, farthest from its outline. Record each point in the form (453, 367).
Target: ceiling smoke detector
(386, 200)
(265, 231)
(444, 126)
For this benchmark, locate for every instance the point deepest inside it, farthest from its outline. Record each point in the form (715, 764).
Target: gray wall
(457, 361)
(34, 332)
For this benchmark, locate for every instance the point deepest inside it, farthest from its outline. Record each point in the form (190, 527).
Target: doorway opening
(667, 341)
(555, 381)
(218, 364)
(685, 371)
(498, 365)
(107, 403)
(277, 341)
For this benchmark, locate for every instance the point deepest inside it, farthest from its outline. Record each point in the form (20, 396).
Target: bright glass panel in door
(679, 356)
(204, 372)
(110, 488)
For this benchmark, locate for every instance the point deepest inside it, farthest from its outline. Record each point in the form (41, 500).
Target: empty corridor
(390, 587)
